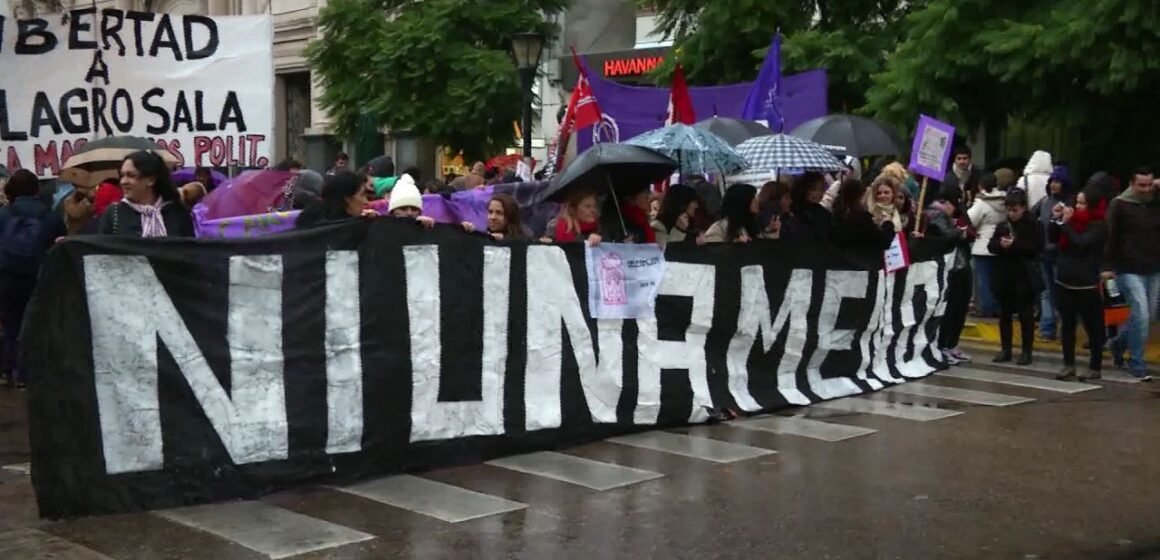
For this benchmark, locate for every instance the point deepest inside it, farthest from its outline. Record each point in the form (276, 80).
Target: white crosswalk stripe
(968, 396)
(1017, 380)
(804, 427)
(575, 470)
(691, 446)
(861, 405)
(433, 499)
(269, 530)
(19, 468)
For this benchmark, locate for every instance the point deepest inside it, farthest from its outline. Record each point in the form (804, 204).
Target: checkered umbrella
(698, 151)
(782, 151)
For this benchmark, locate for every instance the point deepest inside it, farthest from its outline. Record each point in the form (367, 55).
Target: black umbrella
(621, 169)
(101, 159)
(734, 131)
(856, 136)
(624, 168)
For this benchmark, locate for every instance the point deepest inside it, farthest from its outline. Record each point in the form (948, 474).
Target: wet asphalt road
(1012, 468)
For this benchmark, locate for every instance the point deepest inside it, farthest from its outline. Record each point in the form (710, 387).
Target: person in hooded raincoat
(1035, 177)
(1044, 211)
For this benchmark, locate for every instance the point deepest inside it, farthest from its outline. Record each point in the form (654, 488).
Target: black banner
(175, 372)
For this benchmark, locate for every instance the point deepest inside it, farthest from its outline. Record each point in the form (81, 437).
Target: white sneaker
(949, 356)
(960, 356)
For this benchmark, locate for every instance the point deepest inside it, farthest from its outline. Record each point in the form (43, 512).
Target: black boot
(1027, 329)
(1002, 357)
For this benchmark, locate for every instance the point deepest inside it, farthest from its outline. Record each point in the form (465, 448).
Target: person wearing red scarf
(579, 221)
(1081, 232)
(636, 222)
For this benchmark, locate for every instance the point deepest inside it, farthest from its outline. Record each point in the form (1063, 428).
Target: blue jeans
(1047, 299)
(984, 298)
(1142, 292)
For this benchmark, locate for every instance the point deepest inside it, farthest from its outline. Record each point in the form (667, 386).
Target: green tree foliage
(439, 69)
(725, 42)
(1086, 65)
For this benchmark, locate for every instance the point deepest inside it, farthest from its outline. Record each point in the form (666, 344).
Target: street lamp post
(527, 47)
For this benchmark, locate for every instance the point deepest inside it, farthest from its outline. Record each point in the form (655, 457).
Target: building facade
(617, 39)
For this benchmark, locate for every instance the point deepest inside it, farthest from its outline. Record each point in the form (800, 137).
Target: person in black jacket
(1081, 233)
(1016, 281)
(28, 229)
(809, 220)
(945, 220)
(854, 226)
(344, 197)
(152, 206)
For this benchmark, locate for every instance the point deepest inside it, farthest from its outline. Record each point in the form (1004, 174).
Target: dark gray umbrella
(734, 131)
(623, 168)
(619, 169)
(856, 136)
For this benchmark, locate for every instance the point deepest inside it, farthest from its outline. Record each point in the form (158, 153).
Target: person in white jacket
(986, 213)
(1036, 175)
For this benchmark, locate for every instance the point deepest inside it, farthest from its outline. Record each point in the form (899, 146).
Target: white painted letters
(431, 419)
(753, 324)
(696, 281)
(130, 311)
(840, 284)
(344, 371)
(553, 306)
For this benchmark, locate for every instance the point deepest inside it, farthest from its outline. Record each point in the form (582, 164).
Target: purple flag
(630, 110)
(765, 101)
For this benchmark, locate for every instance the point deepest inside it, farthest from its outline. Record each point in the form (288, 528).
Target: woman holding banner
(579, 221)
(151, 206)
(344, 196)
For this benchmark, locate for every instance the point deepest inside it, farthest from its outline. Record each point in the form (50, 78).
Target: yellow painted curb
(986, 332)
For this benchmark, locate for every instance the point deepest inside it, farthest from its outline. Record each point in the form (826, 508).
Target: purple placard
(932, 147)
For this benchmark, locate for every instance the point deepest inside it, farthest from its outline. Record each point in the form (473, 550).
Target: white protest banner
(897, 257)
(623, 280)
(202, 87)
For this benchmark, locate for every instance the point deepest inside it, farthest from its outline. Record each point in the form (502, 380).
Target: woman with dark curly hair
(151, 206)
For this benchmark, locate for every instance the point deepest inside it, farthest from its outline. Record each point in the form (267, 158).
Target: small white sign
(623, 280)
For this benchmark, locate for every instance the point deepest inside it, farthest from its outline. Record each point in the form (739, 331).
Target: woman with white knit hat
(407, 202)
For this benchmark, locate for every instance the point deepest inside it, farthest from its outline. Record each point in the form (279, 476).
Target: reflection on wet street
(973, 463)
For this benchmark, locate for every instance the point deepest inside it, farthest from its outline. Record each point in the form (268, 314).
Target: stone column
(254, 7)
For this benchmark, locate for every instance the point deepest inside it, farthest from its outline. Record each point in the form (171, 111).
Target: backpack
(22, 244)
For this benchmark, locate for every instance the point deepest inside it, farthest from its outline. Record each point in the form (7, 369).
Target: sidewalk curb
(982, 352)
(986, 333)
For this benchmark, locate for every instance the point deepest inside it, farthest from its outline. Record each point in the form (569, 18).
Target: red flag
(582, 112)
(586, 110)
(680, 103)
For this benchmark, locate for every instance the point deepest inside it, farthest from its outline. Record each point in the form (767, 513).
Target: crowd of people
(1031, 246)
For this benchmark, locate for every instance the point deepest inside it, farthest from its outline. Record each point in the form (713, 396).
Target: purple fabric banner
(468, 206)
(631, 110)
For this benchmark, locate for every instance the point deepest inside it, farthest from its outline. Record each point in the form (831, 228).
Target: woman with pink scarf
(151, 206)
